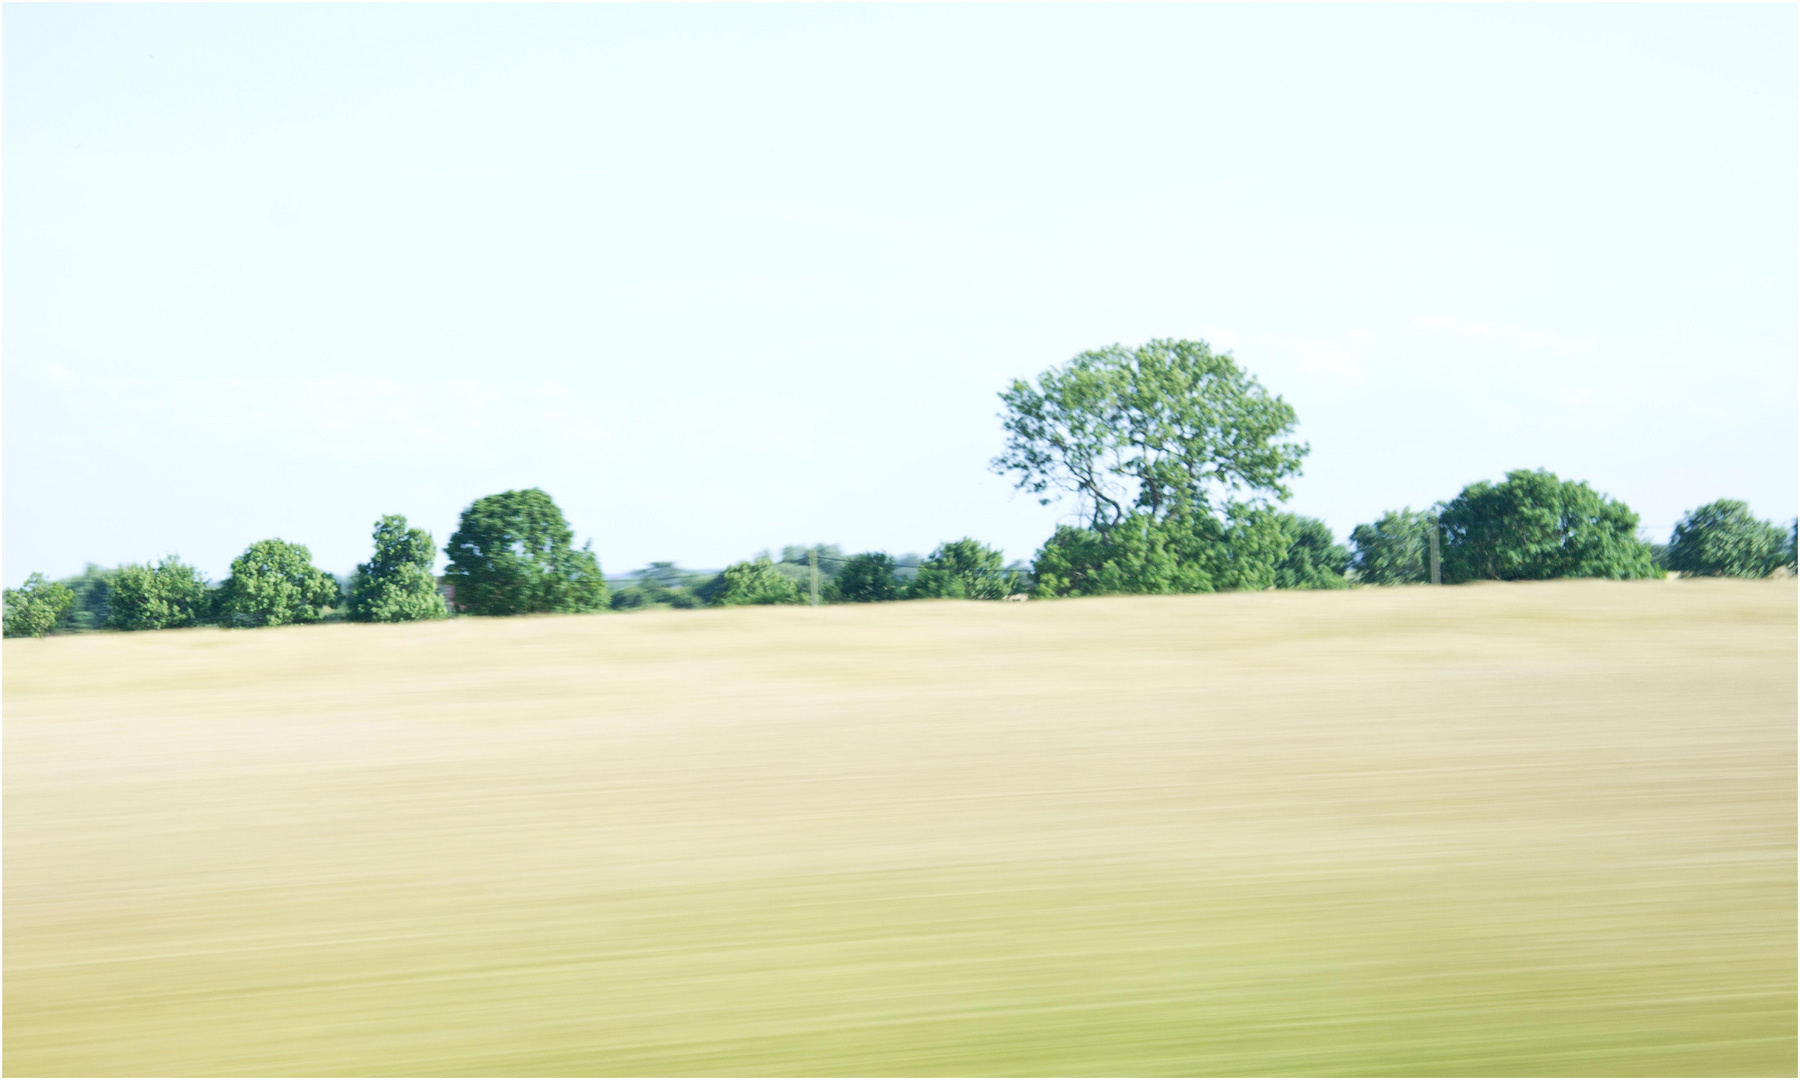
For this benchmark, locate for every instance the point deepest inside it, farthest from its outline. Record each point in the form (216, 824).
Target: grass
(1527, 829)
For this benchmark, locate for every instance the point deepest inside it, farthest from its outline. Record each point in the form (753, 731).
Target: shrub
(397, 585)
(36, 608)
(168, 595)
(754, 582)
(1314, 559)
(868, 579)
(274, 583)
(1722, 539)
(1393, 550)
(1178, 554)
(1534, 527)
(963, 570)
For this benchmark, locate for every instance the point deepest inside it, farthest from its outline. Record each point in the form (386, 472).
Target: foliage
(1393, 550)
(963, 570)
(1176, 554)
(1314, 559)
(1171, 429)
(37, 607)
(796, 564)
(165, 596)
(511, 555)
(868, 578)
(397, 585)
(274, 583)
(661, 584)
(93, 592)
(754, 582)
(1534, 527)
(1722, 539)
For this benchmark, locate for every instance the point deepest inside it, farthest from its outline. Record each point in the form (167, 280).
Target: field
(1540, 829)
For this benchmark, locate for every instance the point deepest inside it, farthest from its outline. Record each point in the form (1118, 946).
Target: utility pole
(1437, 578)
(812, 560)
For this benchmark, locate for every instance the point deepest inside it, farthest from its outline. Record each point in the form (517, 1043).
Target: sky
(725, 278)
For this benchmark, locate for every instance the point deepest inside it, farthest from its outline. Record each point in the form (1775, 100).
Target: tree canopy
(1723, 539)
(754, 582)
(396, 584)
(868, 578)
(36, 607)
(1168, 429)
(1181, 553)
(93, 592)
(512, 555)
(165, 596)
(1393, 550)
(274, 583)
(963, 569)
(661, 584)
(1314, 559)
(1533, 527)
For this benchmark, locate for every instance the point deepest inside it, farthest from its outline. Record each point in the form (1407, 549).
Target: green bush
(868, 578)
(1314, 559)
(1722, 539)
(963, 569)
(1176, 554)
(1393, 550)
(273, 583)
(37, 607)
(754, 582)
(397, 585)
(165, 596)
(1534, 527)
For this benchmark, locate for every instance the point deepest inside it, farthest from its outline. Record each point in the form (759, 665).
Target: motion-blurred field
(1503, 829)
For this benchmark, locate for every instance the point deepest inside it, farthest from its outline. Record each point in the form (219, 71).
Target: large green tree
(37, 607)
(963, 569)
(512, 555)
(397, 585)
(1392, 550)
(1173, 455)
(165, 596)
(1534, 526)
(1723, 539)
(274, 583)
(1170, 428)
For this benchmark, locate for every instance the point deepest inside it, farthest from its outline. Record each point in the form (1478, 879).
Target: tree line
(1175, 458)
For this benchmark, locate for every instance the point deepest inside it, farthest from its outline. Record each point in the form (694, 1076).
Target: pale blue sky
(724, 278)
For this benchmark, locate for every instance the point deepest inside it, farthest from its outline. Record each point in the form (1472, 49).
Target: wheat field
(1518, 829)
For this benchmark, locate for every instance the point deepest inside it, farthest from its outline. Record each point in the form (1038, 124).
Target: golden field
(1542, 829)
